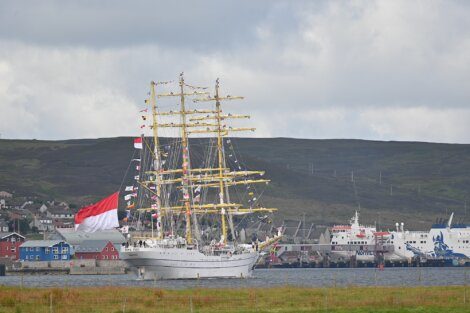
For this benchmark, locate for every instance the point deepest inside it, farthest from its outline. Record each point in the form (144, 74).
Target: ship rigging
(169, 185)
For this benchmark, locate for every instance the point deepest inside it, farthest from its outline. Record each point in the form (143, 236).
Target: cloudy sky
(382, 70)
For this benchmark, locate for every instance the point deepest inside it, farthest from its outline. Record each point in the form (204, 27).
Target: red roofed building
(10, 245)
(97, 249)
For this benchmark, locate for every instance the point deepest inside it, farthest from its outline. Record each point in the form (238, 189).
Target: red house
(96, 249)
(10, 245)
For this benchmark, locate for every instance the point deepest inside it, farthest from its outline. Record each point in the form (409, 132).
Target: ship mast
(157, 163)
(221, 161)
(186, 163)
(197, 122)
(224, 178)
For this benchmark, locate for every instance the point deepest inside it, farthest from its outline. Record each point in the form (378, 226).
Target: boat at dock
(363, 241)
(444, 240)
(181, 187)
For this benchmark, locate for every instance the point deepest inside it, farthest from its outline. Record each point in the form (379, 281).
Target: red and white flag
(138, 143)
(99, 216)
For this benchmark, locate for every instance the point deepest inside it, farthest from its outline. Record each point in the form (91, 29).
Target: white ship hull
(362, 256)
(181, 263)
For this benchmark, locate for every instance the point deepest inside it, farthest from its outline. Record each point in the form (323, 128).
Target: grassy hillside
(419, 181)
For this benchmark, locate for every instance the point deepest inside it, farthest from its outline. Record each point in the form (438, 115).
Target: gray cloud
(202, 25)
(375, 70)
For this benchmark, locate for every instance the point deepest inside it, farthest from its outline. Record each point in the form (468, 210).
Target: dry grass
(284, 299)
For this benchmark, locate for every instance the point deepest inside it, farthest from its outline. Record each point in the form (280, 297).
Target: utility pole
(380, 178)
(352, 176)
(391, 190)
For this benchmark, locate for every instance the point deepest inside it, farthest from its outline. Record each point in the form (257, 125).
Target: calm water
(266, 278)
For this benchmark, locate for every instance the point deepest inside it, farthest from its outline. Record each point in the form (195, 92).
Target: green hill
(325, 179)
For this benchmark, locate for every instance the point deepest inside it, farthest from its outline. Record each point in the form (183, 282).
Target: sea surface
(311, 277)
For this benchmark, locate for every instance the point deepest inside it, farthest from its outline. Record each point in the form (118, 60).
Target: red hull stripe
(104, 205)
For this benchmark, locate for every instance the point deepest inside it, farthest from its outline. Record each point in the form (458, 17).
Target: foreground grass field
(282, 299)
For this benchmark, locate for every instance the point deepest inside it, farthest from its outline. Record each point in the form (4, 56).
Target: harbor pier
(73, 267)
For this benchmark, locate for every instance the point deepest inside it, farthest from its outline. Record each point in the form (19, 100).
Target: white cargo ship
(359, 237)
(442, 241)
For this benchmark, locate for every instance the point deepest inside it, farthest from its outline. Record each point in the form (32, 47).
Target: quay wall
(83, 263)
(97, 270)
(74, 267)
(35, 264)
(111, 263)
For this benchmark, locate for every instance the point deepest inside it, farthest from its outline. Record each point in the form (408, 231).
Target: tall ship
(192, 190)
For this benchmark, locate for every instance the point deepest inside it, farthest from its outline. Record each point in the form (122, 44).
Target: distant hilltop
(326, 180)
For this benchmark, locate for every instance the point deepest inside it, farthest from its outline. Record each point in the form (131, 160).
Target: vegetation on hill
(326, 180)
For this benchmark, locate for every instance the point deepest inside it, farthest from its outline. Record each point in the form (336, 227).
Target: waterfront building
(9, 245)
(45, 250)
(97, 249)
